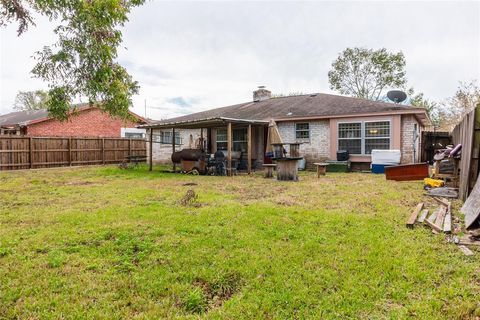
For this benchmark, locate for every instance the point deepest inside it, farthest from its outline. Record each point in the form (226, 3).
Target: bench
(269, 170)
(321, 168)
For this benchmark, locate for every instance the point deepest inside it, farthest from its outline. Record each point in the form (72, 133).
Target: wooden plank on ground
(445, 192)
(468, 242)
(431, 220)
(414, 215)
(465, 250)
(423, 216)
(471, 207)
(442, 201)
(447, 224)
(441, 217)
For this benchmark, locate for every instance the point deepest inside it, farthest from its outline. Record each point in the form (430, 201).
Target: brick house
(85, 121)
(323, 123)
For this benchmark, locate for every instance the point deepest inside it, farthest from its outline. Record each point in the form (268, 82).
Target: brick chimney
(261, 94)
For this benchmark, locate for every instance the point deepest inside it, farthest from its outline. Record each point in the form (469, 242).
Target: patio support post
(201, 139)
(249, 149)
(150, 151)
(229, 149)
(173, 149)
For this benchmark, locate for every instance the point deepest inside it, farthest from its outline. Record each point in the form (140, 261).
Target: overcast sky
(192, 56)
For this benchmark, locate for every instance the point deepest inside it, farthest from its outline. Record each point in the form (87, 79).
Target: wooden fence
(467, 133)
(26, 152)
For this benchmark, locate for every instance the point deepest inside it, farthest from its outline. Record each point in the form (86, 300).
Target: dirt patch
(210, 294)
(79, 183)
(189, 199)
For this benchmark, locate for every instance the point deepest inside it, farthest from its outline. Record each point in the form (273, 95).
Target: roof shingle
(310, 105)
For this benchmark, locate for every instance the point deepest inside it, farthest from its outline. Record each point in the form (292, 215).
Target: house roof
(309, 106)
(25, 118)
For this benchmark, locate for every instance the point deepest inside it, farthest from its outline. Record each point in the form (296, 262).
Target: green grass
(107, 243)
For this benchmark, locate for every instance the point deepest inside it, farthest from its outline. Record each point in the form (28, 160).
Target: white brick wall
(407, 143)
(162, 152)
(317, 147)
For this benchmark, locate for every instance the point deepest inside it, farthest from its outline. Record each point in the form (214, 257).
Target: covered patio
(208, 129)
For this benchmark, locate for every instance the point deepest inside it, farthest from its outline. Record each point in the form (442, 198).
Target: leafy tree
(31, 100)
(82, 62)
(365, 73)
(432, 107)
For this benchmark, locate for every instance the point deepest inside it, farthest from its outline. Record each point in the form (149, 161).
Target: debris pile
(441, 220)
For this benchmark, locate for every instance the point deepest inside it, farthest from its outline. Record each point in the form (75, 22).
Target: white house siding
(162, 153)
(317, 147)
(407, 144)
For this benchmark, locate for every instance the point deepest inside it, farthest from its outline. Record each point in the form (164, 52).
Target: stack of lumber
(439, 220)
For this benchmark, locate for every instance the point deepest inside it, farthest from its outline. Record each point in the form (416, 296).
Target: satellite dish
(396, 96)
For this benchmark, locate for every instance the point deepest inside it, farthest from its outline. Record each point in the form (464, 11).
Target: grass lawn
(107, 243)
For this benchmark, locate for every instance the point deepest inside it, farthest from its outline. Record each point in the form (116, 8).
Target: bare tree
(465, 99)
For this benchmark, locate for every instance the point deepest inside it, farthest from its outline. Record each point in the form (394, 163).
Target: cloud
(179, 101)
(219, 52)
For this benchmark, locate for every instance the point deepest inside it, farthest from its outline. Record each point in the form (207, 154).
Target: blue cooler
(384, 158)
(379, 168)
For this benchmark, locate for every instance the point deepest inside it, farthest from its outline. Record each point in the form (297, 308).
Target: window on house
(363, 137)
(165, 137)
(302, 131)
(134, 135)
(222, 139)
(239, 139)
(350, 137)
(377, 136)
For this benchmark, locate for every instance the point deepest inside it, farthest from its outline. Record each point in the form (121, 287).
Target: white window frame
(358, 138)
(226, 138)
(161, 138)
(363, 138)
(220, 141)
(308, 130)
(124, 131)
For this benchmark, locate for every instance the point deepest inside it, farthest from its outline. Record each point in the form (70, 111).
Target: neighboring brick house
(86, 121)
(323, 123)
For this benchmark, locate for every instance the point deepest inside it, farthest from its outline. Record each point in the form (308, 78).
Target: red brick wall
(87, 123)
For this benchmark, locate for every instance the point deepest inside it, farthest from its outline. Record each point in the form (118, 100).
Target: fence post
(103, 151)
(129, 149)
(30, 149)
(70, 151)
(150, 151)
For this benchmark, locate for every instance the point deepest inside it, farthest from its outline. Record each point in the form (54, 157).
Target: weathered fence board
(467, 133)
(43, 152)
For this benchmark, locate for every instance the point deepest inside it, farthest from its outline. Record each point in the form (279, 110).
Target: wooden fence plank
(44, 152)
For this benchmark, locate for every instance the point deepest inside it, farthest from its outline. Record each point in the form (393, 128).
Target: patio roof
(203, 123)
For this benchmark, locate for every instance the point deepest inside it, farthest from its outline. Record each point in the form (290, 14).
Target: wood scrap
(465, 250)
(474, 233)
(471, 207)
(423, 215)
(440, 218)
(468, 241)
(431, 220)
(446, 192)
(442, 201)
(414, 215)
(447, 224)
